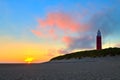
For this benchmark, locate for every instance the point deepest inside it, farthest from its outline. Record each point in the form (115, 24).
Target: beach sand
(107, 68)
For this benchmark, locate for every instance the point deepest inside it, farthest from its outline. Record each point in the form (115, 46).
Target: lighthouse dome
(98, 33)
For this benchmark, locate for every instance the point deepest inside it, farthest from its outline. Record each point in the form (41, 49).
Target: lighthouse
(98, 41)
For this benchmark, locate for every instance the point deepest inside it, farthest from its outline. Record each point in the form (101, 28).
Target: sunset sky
(42, 29)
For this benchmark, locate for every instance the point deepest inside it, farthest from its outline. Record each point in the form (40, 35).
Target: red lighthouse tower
(98, 41)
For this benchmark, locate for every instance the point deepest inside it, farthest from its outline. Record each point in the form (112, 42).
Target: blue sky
(24, 13)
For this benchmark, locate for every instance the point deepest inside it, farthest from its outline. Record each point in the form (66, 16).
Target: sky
(38, 30)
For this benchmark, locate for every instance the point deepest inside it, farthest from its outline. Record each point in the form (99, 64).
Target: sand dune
(107, 68)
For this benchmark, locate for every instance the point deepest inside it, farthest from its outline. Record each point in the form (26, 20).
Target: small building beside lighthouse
(98, 40)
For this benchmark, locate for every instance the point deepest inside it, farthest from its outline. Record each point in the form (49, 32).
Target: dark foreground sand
(86, 69)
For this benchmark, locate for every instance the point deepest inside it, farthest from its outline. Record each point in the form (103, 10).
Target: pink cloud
(57, 21)
(42, 23)
(65, 22)
(37, 33)
(53, 34)
(60, 26)
(67, 40)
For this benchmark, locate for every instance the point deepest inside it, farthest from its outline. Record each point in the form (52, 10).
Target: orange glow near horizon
(25, 52)
(28, 52)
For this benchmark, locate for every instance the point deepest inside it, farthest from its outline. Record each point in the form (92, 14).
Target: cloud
(67, 40)
(76, 34)
(80, 42)
(102, 22)
(54, 52)
(37, 33)
(53, 34)
(59, 21)
(107, 21)
(62, 51)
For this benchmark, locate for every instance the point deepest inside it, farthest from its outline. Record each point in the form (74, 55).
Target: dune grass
(90, 53)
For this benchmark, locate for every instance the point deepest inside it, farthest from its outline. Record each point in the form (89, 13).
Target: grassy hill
(91, 53)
